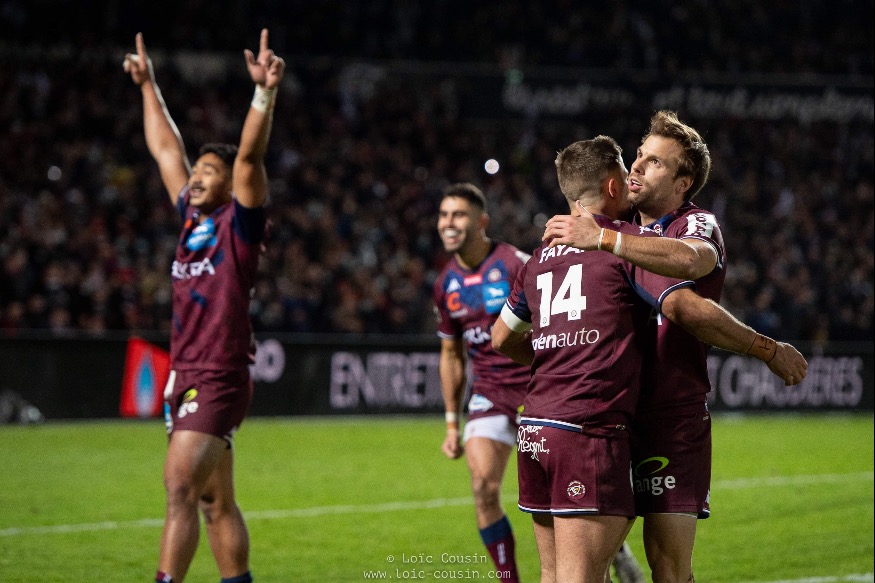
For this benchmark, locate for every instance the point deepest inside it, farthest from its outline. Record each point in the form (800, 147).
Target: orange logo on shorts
(576, 490)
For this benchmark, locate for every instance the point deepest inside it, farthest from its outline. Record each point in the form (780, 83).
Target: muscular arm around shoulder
(452, 375)
(712, 324)
(250, 176)
(162, 136)
(678, 258)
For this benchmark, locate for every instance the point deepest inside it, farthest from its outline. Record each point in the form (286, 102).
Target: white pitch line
(802, 480)
(780, 481)
(254, 515)
(357, 509)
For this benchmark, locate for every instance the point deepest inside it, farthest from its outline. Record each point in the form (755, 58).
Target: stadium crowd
(87, 234)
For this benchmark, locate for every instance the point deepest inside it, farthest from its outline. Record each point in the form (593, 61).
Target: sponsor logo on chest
(182, 270)
(204, 235)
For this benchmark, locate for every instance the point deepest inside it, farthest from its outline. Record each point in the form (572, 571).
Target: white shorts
(495, 427)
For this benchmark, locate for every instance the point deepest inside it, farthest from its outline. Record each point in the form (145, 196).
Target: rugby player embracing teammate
(469, 294)
(672, 431)
(575, 317)
(587, 313)
(220, 201)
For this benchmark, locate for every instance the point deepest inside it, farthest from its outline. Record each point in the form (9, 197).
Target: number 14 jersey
(586, 311)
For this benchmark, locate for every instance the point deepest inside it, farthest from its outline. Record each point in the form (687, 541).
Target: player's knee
(213, 507)
(180, 492)
(486, 490)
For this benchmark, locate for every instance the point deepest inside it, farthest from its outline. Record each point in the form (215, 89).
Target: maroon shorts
(671, 464)
(208, 401)
(567, 473)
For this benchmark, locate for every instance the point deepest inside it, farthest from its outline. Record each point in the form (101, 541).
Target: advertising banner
(73, 377)
(403, 378)
(147, 368)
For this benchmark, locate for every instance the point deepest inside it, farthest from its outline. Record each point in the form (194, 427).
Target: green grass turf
(792, 498)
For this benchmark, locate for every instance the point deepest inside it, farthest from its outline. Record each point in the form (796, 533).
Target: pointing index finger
(141, 47)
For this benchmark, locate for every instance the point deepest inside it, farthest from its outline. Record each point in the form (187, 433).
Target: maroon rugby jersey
(677, 372)
(467, 303)
(213, 274)
(586, 316)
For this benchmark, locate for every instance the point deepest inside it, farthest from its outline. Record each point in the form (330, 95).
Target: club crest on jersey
(494, 296)
(479, 403)
(576, 489)
(204, 235)
(493, 275)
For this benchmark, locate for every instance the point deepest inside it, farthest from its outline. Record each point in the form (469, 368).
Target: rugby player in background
(468, 296)
(673, 423)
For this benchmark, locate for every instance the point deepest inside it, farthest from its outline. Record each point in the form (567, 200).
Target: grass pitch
(346, 500)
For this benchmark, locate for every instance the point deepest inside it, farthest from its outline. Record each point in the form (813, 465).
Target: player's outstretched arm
(452, 376)
(712, 324)
(681, 259)
(162, 136)
(250, 176)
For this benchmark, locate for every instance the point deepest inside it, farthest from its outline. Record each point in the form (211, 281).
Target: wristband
(763, 348)
(609, 240)
(452, 418)
(263, 99)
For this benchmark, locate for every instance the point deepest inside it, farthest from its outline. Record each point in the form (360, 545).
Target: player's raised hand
(266, 69)
(140, 65)
(577, 231)
(788, 364)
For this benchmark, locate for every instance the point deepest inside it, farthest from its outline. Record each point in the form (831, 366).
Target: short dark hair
(467, 191)
(227, 152)
(582, 166)
(695, 162)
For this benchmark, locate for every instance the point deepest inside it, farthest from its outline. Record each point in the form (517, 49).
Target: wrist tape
(263, 99)
(610, 241)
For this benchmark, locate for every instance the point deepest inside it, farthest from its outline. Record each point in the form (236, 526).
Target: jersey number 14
(569, 298)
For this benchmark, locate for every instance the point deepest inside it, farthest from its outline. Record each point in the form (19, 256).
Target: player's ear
(484, 221)
(613, 187)
(683, 184)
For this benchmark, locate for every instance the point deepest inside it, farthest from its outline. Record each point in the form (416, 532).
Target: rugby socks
(162, 577)
(499, 541)
(244, 578)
